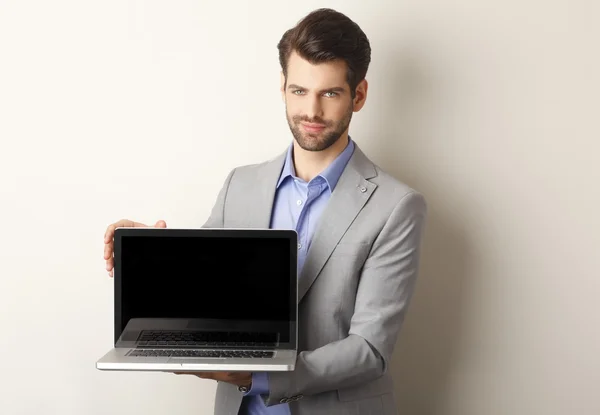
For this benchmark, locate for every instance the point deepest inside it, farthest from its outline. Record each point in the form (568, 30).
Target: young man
(359, 235)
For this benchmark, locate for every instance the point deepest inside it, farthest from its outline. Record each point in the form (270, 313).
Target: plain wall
(132, 109)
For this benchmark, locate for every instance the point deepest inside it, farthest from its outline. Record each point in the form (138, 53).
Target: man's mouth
(312, 127)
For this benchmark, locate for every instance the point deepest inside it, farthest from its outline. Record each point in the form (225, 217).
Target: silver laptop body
(204, 300)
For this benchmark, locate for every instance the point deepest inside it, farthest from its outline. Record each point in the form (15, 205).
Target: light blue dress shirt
(298, 205)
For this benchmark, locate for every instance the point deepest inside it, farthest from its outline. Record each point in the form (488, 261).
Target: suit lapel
(351, 193)
(259, 212)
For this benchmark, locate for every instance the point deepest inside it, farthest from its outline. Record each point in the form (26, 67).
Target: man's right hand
(109, 239)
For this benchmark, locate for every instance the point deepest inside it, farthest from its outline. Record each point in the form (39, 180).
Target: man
(359, 235)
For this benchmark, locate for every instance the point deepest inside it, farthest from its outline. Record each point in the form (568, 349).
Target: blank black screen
(197, 277)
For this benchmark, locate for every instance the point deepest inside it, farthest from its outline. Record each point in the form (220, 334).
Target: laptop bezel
(289, 234)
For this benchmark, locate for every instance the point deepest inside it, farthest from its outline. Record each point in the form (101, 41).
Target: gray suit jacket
(353, 291)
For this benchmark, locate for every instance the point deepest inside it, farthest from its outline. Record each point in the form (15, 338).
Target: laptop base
(118, 359)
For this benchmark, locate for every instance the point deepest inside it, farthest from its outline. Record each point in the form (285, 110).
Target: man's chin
(314, 146)
(311, 143)
(318, 141)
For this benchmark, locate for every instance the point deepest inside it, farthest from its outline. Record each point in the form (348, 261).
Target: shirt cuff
(260, 384)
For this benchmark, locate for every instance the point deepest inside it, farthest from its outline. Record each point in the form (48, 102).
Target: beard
(324, 139)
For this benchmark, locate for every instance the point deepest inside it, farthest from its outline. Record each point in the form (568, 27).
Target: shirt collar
(331, 174)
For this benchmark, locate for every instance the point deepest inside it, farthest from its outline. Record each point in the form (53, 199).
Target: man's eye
(331, 94)
(297, 92)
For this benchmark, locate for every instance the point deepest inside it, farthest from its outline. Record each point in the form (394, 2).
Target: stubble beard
(322, 140)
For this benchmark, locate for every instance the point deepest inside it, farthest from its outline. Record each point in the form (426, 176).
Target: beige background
(112, 109)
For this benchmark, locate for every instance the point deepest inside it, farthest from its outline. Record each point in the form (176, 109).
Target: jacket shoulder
(394, 190)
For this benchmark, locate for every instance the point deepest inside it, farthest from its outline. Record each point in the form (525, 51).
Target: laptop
(204, 300)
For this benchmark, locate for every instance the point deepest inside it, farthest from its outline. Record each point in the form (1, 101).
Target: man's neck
(308, 164)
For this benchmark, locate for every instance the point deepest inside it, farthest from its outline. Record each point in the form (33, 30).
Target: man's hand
(109, 239)
(235, 378)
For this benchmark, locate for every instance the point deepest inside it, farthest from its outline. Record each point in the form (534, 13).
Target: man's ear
(361, 95)
(282, 86)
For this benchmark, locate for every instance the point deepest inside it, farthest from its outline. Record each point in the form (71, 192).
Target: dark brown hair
(326, 35)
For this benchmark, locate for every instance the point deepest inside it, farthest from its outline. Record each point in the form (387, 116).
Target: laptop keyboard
(176, 339)
(198, 344)
(200, 353)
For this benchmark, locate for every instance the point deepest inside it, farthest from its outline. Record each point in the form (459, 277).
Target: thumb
(160, 224)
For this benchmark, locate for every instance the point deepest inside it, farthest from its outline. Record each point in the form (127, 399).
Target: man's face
(319, 104)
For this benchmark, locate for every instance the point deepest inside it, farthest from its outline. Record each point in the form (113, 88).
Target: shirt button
(299, 202)
(299, 246)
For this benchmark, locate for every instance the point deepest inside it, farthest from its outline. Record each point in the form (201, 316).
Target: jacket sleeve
(217, 215)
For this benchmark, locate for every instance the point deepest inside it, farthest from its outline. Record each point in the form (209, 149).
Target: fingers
(126, 223)
(109, 239)
(109, 265)
(110, 230)
(109, 242)
(108, 249)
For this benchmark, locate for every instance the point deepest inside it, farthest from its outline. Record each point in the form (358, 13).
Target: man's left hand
(235, 378)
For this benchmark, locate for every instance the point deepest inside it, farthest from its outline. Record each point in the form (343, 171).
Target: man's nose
(314, 108)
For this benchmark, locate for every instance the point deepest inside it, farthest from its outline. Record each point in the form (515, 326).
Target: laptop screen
(218, 275)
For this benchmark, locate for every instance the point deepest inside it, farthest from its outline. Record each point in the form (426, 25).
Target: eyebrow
(334, 89)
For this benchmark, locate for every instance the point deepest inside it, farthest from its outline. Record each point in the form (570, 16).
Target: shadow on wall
(426, 352)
